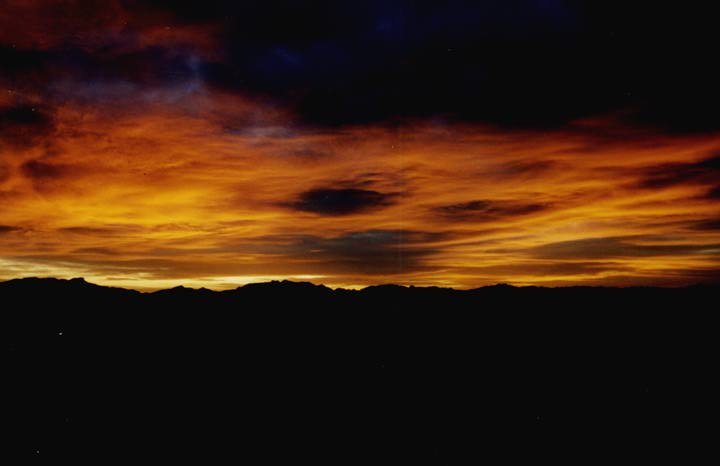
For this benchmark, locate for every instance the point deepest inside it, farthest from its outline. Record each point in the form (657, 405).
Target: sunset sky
(149, 144)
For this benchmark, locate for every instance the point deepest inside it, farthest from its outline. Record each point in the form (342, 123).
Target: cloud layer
(148, 144)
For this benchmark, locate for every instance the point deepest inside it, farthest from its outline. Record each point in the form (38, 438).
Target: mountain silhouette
(287, 372)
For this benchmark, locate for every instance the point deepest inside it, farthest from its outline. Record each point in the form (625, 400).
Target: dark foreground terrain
(290, 373)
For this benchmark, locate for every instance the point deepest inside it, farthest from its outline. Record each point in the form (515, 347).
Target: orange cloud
(215, 190)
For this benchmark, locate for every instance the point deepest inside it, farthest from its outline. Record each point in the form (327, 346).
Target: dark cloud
(341, 201)
(23, 125)
(8, 229)
(307, 153)
(516, 63)
(22, 68)
(67, 50)
(365, 252)
(379, 60)
(105, 231)
(707, 225)
(671, 174)
(489, 210)
(97, 251)
(4, 172)
(713, 194)
(617, 247)
(90, 231)
(38, 170)
(45, 24)
(542, 269)
(513, 63)
(152, 66)
(526, 167)
(370, 252)
(661, 277)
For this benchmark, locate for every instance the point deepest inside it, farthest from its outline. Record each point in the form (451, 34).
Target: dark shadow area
(292, 373)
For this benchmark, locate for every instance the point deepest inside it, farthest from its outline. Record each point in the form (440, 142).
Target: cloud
(172, 140)
(97, 252)
(51, 23)
(545, 269)
(4, 171)
(341, 201)
(38, 170)
(8, 229)
(347, 64)
(23, 125)
(618, 247)
(662, 277)
(489, 210)
(26, 69)
(372, 252)
(367, 253)
(713, 194)
(147, 67)
(161, 194)
(525, 168)
(705, 171)
(712, 224)
(58, 51)
(94, 231)
(527, 64)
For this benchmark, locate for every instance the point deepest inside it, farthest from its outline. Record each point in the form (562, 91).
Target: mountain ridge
(291, 284)
(387, 375)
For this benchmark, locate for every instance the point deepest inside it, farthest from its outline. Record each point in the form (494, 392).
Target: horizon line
(339, 288)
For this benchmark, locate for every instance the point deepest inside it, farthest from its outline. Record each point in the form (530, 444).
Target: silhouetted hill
(284, 372)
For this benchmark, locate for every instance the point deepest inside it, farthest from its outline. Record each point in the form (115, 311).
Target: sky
(150, 144)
